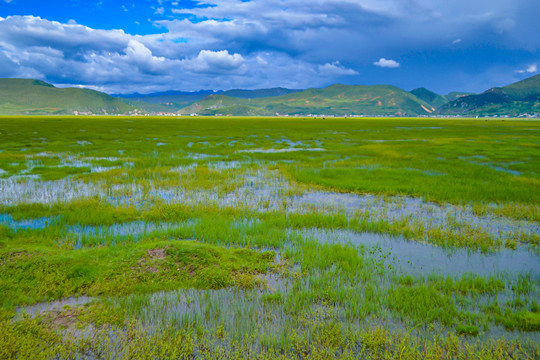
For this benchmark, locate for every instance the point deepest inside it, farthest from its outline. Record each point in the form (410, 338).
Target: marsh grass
(195, 239)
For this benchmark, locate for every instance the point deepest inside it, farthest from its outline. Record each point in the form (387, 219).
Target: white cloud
(221, 59)
(457, 41)
(266, 43)
(335, 69)
(138, 54)
(386, 63)
(533, 68)
(215, 62)
(116, 62)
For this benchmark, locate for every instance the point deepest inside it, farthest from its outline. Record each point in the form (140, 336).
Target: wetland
(269, 238)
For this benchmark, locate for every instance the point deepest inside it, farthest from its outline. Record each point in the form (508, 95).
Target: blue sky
(156, 45)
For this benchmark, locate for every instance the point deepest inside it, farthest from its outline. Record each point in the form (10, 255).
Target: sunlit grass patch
(476, 187)
(29, 277)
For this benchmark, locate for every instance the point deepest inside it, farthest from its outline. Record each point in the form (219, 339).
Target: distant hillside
(518, 98)
(215, 104)
(525, 90)
(174, 100)
(456, 94)
(332, 100)
(260, 93)
(433, 99)
(27, 96)
(165, 94)
(168, 101)
(148, 107)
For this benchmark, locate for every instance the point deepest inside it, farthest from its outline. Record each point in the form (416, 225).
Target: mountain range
(332, 100)
(28, 96)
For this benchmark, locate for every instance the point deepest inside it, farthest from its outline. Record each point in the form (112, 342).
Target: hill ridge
(518, 98)
(30, 96)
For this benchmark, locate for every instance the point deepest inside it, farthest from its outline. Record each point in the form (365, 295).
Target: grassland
(182, 238)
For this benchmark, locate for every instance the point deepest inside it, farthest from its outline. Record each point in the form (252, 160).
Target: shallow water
(132, 230)
(473, 160)
(266, 151)
(410, 257)
(24, 224)
(42, 307)
(236, 308)
(200, 156)
(15, 190)
(415, 209)
(224, 165)
(265, 190)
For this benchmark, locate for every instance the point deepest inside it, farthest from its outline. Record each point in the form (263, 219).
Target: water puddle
(24, 224)
(418, 128)
(268, 151)
(410, 257)
(132, 230)
(200, 156)
(57, 305)
(235, 308)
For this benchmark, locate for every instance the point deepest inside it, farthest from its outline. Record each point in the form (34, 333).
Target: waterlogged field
(196, 238)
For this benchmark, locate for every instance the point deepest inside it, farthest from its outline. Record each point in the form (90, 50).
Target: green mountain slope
(212, 104)
(525, 90)
(150, 107)
(168, 101)
(259, 93)
(522, 97)
(26, 96)
(433, 99)
(332, 100)
(451, 96)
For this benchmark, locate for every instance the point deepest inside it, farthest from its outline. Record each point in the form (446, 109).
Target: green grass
(191, 245)
(34, 276)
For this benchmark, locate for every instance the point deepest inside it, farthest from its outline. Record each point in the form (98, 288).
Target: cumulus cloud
(215, 62)
(530, 69)
(71, 53)
(117, 62)
(268, 43)
(386, 63)
(335, 69)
